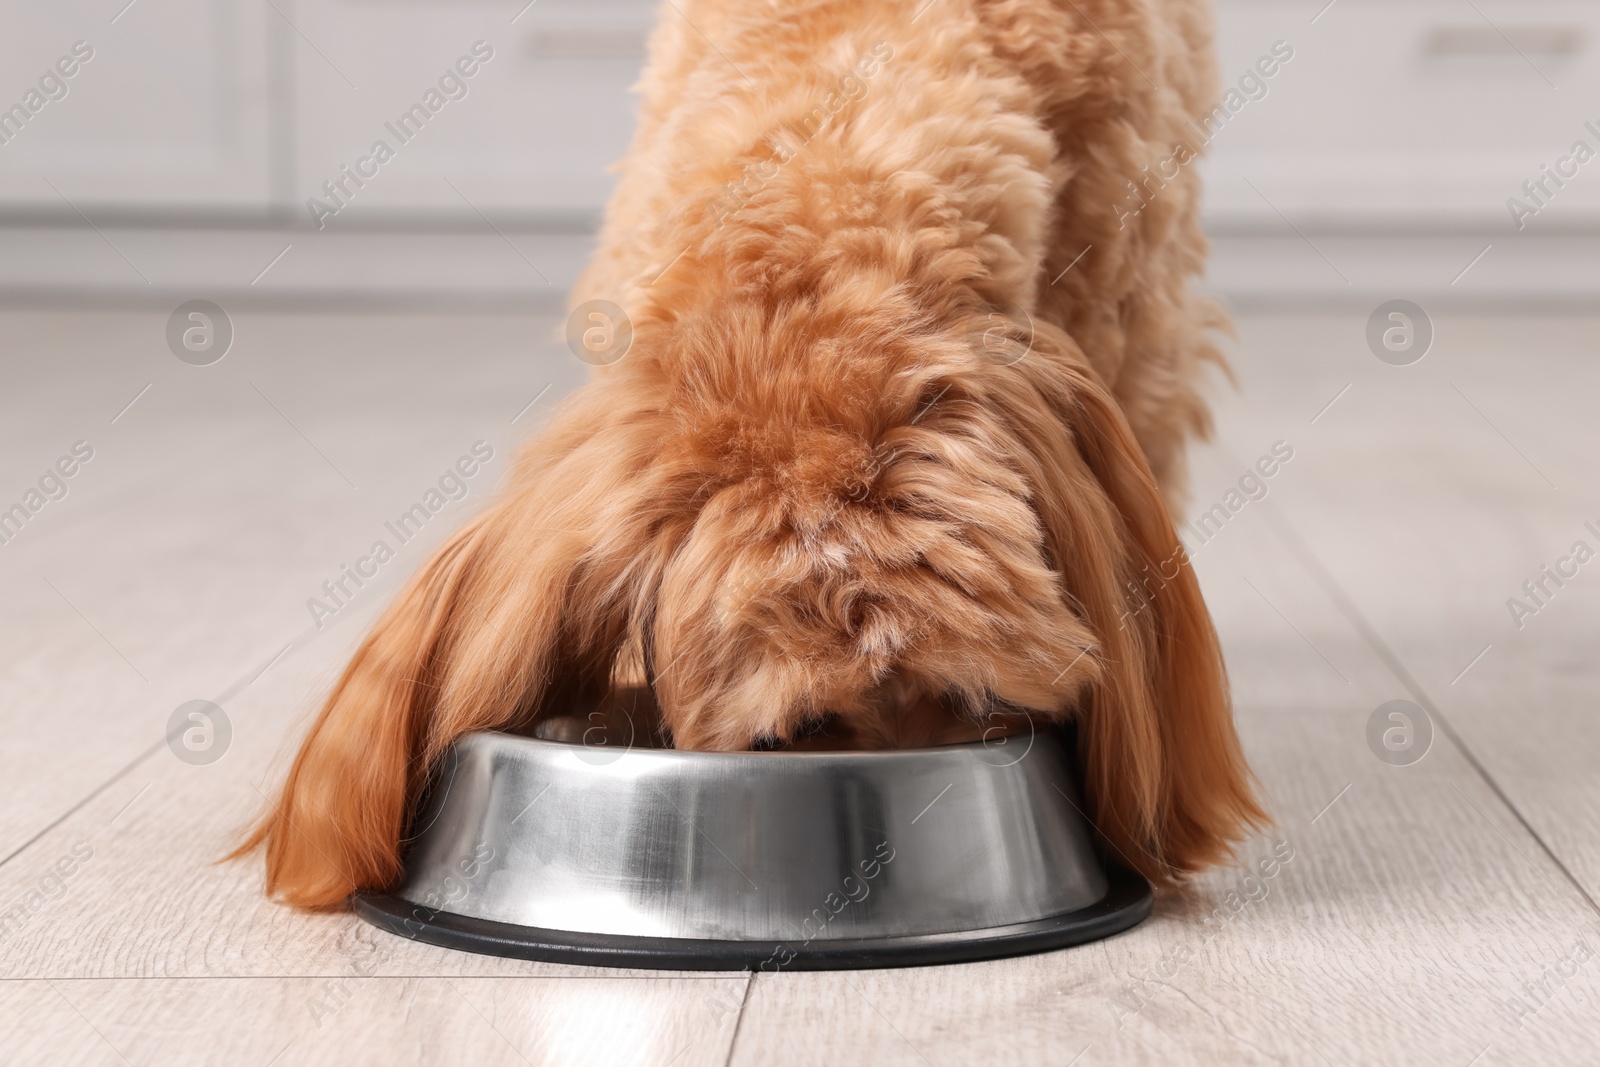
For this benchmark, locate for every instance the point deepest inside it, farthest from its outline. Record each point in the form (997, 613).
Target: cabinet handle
(1459, 42)
(596, 43)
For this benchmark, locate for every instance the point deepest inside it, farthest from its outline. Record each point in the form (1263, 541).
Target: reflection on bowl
(591, 844)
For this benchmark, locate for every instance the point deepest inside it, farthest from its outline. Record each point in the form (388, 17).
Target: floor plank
(1412, 911)
(182, 556)
(358, 1019)
(1429, 495)
(1427, 912)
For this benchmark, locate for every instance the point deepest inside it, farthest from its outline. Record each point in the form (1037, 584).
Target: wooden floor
(1437, 913)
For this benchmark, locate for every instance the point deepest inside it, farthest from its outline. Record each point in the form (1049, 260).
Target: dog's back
(1066, 129)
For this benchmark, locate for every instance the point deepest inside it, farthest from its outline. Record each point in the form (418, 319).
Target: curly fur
(805, 491)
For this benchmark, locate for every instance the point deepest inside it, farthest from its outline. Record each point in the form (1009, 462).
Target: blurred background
(181, 157)
(161, 159)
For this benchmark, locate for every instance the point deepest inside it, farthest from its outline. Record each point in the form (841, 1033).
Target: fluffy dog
(914, 361)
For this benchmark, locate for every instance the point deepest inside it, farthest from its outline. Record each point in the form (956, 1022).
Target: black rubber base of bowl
(1127, 902)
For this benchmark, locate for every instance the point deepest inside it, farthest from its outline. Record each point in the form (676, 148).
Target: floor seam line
(376, 975)
(95, 792)
(733, 1042)
(1348, 607)
(228, 693)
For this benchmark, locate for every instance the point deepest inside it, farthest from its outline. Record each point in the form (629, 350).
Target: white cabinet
(531, 131)
(221, 109)
(1392, 114)
(1399, 114)
(171, 112)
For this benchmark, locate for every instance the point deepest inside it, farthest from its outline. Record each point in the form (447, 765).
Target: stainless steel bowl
(558, 850)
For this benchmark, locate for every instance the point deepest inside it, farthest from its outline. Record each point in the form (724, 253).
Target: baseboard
(533, 269)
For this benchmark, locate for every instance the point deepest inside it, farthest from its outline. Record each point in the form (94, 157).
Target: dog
(893, 450)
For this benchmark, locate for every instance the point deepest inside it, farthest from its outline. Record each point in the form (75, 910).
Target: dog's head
(857, 537)
(865, 522)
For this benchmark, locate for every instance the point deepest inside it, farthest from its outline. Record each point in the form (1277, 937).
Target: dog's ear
(518, 597)
(336, 826)
(1164, 776)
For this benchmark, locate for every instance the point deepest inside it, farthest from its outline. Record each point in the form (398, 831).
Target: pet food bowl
(632, 857)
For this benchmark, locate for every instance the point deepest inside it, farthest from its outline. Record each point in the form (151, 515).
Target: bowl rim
(1128, 901)
(1051, 728)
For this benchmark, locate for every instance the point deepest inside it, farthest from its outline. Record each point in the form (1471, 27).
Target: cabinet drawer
(169, 112)
(1416, 113)
(534, 129)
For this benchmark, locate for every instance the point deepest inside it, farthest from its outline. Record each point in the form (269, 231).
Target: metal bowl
(626, 856)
